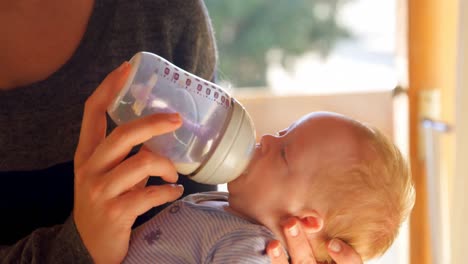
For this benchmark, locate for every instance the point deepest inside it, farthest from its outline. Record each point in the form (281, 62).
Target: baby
(345, 177)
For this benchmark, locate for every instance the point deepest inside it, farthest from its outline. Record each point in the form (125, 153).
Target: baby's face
(286, 169)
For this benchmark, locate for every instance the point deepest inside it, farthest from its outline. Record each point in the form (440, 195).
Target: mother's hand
(295, 232)
(109, 189)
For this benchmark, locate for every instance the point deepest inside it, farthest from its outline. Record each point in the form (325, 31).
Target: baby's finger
(93, 127)
(123, 138)
(139, 201)
(343, 253)
(137, 168)
(298, 245)
(275, 252)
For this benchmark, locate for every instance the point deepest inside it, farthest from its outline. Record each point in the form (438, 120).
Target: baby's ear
(311, 221)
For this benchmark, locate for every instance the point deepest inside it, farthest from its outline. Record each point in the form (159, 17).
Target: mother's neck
(38, 36)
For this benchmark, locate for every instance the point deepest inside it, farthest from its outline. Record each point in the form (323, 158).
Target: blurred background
(313, 46)
(397, 64)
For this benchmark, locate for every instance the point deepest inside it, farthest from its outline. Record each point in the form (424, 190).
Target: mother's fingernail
(123, 66)
(276, 252)
(294, 231)
(175, 118)
(334, 246)
(177, 186)
(291, 226)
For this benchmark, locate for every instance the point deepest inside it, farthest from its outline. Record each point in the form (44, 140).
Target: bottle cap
(235, 149)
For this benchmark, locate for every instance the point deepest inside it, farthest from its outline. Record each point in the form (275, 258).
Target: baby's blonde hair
(369, 201)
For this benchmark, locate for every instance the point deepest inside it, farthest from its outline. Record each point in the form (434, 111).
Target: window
(306, 46)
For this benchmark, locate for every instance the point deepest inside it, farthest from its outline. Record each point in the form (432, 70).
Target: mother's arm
(295, 232)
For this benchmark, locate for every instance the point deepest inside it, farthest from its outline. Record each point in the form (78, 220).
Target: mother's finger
(93, 127)
(343, 253)
(123, 138)
(137, 168)
(139, 201)
(276, 253)
(298, 245)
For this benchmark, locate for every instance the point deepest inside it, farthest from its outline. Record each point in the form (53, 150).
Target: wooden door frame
(432, 41)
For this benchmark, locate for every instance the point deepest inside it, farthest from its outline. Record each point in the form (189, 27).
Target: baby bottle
(217, 137)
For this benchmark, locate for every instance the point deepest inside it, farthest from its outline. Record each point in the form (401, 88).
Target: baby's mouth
(257, 150)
